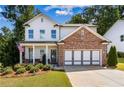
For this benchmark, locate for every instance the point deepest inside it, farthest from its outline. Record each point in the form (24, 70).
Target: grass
(50, 79)
(120, 65)
(121, 60)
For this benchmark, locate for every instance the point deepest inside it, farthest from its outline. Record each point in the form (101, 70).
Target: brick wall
(87, 40)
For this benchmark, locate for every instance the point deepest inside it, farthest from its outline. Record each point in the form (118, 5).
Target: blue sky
(60, 14)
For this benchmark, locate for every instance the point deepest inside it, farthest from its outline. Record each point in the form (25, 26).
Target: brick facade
(79, 41)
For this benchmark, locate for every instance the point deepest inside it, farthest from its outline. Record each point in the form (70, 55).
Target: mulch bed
(26, 74)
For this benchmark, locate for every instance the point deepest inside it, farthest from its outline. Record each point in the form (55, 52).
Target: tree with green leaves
(8, 51)
(112, 57)
(102, 16)
(19, 14)
(77, 19)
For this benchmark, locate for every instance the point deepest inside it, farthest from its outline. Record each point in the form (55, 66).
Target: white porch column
(46, 54)
(33, 54)
(20, 57)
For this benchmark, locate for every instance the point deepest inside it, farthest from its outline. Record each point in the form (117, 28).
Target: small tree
(112, 57)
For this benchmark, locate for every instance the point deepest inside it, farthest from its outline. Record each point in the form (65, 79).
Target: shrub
(29, 66)
(121, 54)
(21, 70)
(1, 65)
(47, 67)
(17, 66)
(24, 64)
(7, 70)
(33, 69)
(40, 66)
(112, 57)
(1, 68)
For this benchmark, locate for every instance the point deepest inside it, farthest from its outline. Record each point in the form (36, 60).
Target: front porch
(45, 53)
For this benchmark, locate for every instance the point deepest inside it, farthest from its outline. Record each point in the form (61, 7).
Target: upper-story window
(30, 33)
(42, 34)
(122, 38)
(53, 34)
(41, 19)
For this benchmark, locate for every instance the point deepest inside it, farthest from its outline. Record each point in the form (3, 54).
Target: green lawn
(120, 64)
(50, 79)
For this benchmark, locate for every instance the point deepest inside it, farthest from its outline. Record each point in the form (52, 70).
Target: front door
(53, 56)
(42, 52)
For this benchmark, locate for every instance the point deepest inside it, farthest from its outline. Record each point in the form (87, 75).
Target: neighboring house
(67, 44)
(116, 35)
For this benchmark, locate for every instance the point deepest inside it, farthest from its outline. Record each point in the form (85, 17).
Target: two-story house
(65, 44)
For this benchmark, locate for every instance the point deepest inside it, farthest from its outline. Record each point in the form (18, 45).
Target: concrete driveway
(93, 76)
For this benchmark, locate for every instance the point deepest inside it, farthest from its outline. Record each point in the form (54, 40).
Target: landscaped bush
(112, 57)
(121, 54)
(7, 70)
(47, 67)
(24, 64)
(1, 68)
(29, 66)
(1, 65)
(21, 70)
(33, 69)
(39, 65)
(17, 66)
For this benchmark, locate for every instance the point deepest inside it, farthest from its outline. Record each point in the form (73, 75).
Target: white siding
(67, 30)
(114, 33)
(37, 25)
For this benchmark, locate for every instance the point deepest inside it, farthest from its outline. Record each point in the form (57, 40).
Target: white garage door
(86, 58)
(95, 58)
(77, 57)
(68, 57)
(82, 57)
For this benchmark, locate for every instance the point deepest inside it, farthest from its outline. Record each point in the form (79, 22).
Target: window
(53, 33)
(30, 33)
(122, 38)
(42, 34)
(41, 19)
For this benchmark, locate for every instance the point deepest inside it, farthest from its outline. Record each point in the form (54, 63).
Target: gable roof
(88, 29)
(90, 25)
(116, 23)
(37, 17)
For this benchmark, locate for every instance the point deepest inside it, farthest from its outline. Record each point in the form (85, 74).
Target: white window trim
(54, 34)
(29, 34)
(42, 33)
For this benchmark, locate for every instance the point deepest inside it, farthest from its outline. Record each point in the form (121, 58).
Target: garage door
(68, 57)
(77, 57)
(85, 57)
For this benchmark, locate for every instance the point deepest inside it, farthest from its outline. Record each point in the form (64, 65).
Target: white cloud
(68, 7)
(63, 9)
(63, 12)
(1, 9)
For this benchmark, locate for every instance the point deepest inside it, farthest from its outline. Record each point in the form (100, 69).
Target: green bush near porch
(21, 70)
(29, 66)
(7, 70)
(39, 65)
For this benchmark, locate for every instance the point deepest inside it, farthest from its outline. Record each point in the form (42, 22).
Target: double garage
(82, 57)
